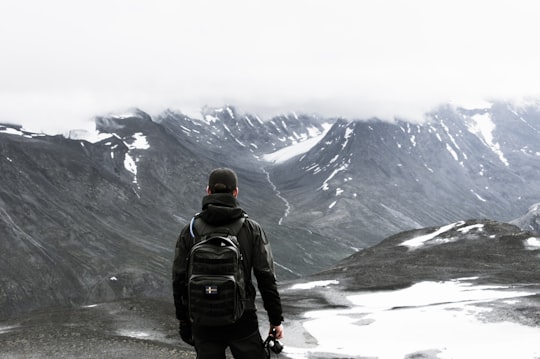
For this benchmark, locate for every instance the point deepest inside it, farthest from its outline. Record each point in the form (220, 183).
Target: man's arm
(179, 276)
(263, 268)
(179, 286)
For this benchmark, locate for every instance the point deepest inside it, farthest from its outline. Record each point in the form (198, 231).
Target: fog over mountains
(94, 217)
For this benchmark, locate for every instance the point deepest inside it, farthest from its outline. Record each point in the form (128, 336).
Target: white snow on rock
(139, 142)
(482, 126)
(129, 164)
(297, 149)
(431, 237)
(22, 132)
(6, 329)
(314, 284)
(443, 319)
(532, 243)
(11, 131)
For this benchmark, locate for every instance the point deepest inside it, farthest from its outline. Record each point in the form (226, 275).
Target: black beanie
(222, 180)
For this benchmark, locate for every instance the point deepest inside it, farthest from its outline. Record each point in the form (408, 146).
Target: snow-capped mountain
(96, 216)
(369, 179)
(467, 289)
(491, 251)
(224, 130)
(531, 220)
(96, 220)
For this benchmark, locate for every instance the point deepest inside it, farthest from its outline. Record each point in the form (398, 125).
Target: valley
(94, 216)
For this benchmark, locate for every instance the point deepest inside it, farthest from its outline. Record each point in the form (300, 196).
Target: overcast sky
(63, 61)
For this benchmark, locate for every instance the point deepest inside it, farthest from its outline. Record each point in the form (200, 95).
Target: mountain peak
(492, 251)
(531, 220)
(114, 122)
(362, 181)
(15, 129)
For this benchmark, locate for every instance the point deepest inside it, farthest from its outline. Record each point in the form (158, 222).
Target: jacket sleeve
(263, 268)
(179, 275)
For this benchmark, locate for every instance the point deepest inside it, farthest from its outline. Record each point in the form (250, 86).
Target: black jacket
(221, 209)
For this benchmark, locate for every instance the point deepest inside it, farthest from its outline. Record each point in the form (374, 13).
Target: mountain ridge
(97, 220)
(436, 162)
(491, 252)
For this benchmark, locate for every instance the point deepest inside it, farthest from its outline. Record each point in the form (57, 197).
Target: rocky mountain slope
(461, 290)
(94, 217)
(94, 221)
(531, 220)
(491, 252)
(371, 179)
(479, 266)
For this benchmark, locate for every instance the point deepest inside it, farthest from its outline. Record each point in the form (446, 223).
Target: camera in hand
(272, 344)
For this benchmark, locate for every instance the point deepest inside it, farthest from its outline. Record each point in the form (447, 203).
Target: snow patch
(19, 132)
(421, 318)
(277, 264)
(209, 119)
(482, 126)
(139, 142)
(314, 284)
(231, 114)
(239, 142)
(348, 133)
(133, 334)
(467, 229)
(125, 115)
(294, 150)
(11, 131)
(478, 196)
(532, 243)
(431, 237)
(92, 136)
(249, 121)
(452, 152)
(129, 164)
(325, 186)
(6, 329)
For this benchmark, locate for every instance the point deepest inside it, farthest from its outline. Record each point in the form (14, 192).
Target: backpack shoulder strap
(235, 227)
(192, 226)
(197, 227)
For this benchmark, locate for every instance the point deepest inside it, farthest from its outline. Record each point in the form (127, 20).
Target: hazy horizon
(65, 62)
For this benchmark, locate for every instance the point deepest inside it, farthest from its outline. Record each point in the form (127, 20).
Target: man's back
(221, 209)
(215, 274)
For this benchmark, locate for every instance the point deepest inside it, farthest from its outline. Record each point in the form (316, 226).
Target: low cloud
(64, 63)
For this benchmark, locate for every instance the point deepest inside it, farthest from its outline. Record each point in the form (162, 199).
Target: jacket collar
(220, 199)
(220, 209)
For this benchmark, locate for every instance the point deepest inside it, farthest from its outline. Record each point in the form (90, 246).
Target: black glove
(186, 333)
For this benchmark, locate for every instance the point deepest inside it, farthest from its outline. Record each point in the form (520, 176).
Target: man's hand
(279, 331)
(186, 333)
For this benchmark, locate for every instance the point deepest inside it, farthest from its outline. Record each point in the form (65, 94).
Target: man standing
(220, 208)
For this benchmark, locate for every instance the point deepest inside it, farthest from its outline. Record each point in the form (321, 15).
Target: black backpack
(215, 274)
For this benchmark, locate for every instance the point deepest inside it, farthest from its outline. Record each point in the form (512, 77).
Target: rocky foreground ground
(147, 328)
(131, 328)
(137, 328)
(483, 253)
